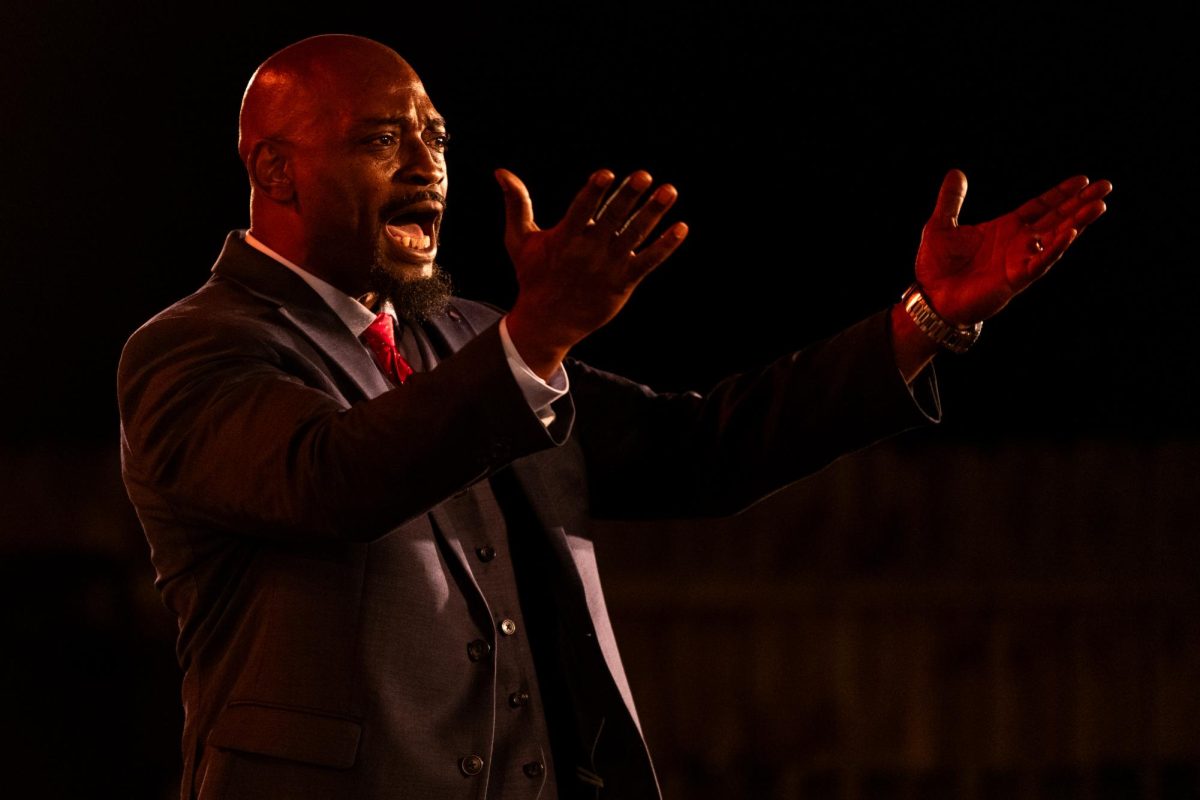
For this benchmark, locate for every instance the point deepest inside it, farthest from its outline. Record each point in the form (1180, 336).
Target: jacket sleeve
(687, 454)
(219, 431)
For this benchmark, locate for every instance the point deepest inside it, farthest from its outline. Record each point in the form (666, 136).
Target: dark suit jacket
(302, 522)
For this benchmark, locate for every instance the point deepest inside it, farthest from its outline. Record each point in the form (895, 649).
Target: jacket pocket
(295, 734)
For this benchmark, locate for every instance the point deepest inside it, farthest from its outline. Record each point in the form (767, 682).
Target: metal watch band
(955, 338)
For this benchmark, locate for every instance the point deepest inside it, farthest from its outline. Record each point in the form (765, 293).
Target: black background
(808, 147)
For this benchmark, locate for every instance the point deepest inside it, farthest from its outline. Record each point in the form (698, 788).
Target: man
(378, 557)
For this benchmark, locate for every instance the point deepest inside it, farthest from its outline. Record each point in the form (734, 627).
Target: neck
(297, 251)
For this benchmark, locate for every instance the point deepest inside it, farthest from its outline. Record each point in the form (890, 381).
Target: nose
(420, 163)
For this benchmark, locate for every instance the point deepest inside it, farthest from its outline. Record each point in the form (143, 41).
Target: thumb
(950, 199)
(518, 208)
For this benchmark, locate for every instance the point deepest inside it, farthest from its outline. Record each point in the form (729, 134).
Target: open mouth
(415, 228)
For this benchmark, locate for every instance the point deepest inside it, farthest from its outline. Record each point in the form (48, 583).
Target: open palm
(969, 272)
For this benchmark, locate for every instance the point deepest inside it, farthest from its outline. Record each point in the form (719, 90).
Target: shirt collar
(356, 316)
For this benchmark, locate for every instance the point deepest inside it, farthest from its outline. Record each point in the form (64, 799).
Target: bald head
(347, 163)
(296, 93)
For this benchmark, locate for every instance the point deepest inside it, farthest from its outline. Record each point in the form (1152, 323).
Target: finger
(1080, 206)
(644, 262)
(648, 216)
(584, 206)
(1097, 190)
(518, 207)
(1087, 215)
(1096, 206)
(950, 198)
(1072, 206)
(1033, 210)
(615, 211)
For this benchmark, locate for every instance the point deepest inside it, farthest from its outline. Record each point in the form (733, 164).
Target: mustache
(421, 195)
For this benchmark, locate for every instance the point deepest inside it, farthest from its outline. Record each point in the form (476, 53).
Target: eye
(437, 140)
(384, 140)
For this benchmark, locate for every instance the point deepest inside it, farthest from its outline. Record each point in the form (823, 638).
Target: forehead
(393, 94)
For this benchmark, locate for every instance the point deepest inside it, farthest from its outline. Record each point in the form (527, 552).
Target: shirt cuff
(538, 393)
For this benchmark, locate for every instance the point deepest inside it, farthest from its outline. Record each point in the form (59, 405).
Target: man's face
(370, 177)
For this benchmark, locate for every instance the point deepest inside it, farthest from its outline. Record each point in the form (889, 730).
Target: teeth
(415, 242)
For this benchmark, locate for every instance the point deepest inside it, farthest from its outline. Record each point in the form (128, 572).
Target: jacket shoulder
(219, 320)
(479, 314)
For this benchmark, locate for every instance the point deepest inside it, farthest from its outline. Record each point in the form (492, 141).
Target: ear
(271, 171)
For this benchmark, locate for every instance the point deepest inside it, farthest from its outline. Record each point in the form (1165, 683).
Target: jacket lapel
(462, 322)
(340, 346)
(260, 275)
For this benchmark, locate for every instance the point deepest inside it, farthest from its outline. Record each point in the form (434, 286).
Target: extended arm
(712, 454)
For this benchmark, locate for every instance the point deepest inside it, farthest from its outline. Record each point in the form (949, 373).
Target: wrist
(952, 336)
(542, 356)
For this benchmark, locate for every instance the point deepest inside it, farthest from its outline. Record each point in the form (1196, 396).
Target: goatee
(415, 299)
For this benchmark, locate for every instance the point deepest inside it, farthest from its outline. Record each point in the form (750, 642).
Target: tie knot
(381, 331)
(380, 339)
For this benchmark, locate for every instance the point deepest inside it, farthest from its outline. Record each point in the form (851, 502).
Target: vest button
(533, 769)
(485, 553)
(508, 627)
(518, 699)
(478, 650)
(471, 765)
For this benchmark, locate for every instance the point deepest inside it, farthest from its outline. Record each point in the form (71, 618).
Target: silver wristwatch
(955, 338)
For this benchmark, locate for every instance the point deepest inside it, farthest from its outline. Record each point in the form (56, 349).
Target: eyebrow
(432, 122)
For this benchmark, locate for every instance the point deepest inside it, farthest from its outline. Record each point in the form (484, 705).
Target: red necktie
(380, 339)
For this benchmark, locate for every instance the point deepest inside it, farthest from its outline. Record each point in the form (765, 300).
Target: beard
(415, 299)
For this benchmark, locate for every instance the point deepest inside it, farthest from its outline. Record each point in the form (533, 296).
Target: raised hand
(575, 277)
(969, 272)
